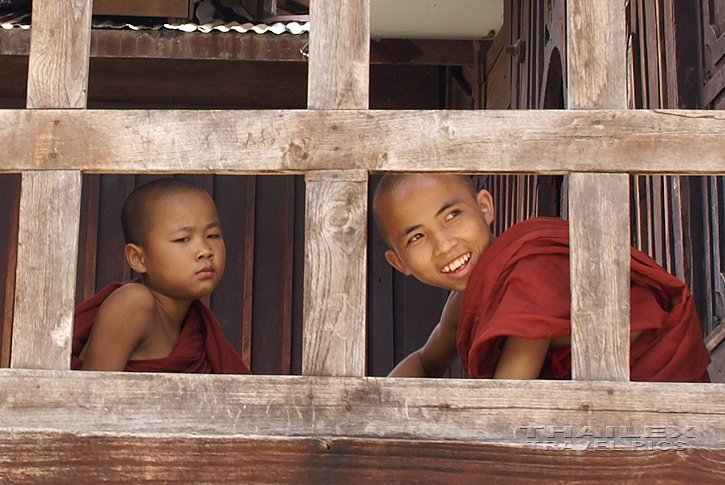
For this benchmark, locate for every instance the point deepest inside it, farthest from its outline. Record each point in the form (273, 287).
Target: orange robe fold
(200, 348)
(520, 287)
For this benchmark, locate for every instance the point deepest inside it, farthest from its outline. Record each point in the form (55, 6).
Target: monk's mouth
(456, 264)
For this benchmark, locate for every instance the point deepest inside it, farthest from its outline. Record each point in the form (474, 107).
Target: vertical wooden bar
(60, 47)
(46, 276)
(667, 238)
(596, 29)
(333, 341)
(658, 233)
(599, 203)
(50, 201)
(715, 215)
(335, 273)
(599, 268)
(636, 211)
(339, 65)
(247, 285)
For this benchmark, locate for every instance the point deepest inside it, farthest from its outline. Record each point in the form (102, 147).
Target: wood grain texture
(598, 203)
(230, 46)
(46, 272)
(334, 299)
(596, 54)
(70, 459)
(59, 54)
(339, 63)
(141, 8)
(333, 341)
(599, 267)
(271, 141)
(466, 410)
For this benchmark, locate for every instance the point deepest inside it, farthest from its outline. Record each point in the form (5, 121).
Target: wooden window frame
(56, 409)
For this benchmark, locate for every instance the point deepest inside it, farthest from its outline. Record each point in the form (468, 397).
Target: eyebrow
(446, 205)
(189, 228)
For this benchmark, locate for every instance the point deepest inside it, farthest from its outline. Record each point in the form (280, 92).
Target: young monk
(157, 323)
(508, 313)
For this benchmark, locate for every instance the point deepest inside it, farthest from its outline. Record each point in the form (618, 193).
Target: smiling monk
(508, 314)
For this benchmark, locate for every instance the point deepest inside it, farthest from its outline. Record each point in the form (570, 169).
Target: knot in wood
(338, 218)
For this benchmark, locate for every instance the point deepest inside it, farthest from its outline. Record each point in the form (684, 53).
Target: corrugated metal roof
(21, 20)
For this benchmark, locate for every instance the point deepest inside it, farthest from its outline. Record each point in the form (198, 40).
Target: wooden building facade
(331, 424)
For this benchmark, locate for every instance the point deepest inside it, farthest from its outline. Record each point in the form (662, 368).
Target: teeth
(456, 264)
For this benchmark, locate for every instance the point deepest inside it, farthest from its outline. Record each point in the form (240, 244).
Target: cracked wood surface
(273, 141)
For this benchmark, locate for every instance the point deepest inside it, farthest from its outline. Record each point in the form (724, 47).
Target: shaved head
(137, 213)
(391, 181)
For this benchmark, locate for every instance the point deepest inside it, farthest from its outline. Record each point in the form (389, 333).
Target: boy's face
(436, 227)
(184, 256)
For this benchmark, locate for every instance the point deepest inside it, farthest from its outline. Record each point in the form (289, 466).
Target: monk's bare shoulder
(123, 324)
(132, 304)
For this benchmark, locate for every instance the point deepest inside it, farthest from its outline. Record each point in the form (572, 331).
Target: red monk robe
(201, 346)
(520, 287)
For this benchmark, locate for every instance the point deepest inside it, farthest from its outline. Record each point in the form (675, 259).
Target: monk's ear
(395, 261)
(485, 202)
(135, 257)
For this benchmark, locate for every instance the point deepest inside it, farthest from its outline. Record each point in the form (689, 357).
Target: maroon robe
(200, 348)
(520, 287)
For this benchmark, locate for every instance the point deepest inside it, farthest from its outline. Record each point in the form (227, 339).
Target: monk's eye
(181, 240)
(414, 238)
(214, 236)
(452, 214)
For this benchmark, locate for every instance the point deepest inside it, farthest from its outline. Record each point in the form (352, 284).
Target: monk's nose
(444, 242)
(205, 251)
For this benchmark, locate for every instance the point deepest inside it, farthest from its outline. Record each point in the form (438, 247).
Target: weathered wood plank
(599, 267)
(638, 141)
(46, 271)
(596, 54)
(142, 8)
(334, 300)
(335, 268)
(599, 203)
(67, 458)
(50, 201)
(59, 54)
(378, 408)
(339, 63)
(233, 46)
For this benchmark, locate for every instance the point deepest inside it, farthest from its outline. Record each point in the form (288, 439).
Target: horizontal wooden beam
(233, 46)
(294, 141)
(70, 458)
(506, 412)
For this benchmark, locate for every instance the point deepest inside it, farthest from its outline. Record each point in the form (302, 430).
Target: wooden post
(60, 47)
(339, 66)
(599, 203)
(336, 202)
(335, 268)
(46, 276)
(50, 200)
